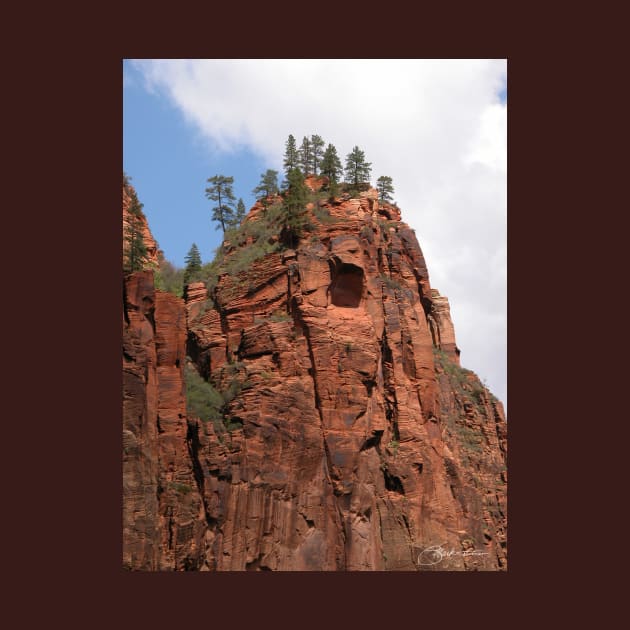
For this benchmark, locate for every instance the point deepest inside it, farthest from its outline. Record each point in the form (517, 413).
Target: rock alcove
(346, 289)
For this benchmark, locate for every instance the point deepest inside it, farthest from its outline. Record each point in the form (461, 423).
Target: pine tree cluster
(287, 201)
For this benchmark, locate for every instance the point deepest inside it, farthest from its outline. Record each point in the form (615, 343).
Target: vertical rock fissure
(329, 477)
(391, 407)
(347, 330)
(125, 302)
(380, 533)
(193, 443)
(224, 327)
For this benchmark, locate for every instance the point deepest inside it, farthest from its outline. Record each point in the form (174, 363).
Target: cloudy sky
(437, 127)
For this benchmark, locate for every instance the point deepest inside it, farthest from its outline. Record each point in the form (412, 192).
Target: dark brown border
(77, 494)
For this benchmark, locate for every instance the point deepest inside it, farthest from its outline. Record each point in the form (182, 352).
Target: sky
(437, 127)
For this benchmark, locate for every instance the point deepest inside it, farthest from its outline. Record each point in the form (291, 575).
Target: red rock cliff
(163, 524)
(441, 326)
(351, 438)
(149, 241)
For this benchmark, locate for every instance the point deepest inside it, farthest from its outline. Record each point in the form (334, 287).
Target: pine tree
(291, 156)
(268, 184)
(221, 191)
(385, 188)
(294, 202)
(136, 254)
(331, 164)
(317, 149)
(305, 154)
(135, 250)
(240, 212)
(193, 264)
(357, 169)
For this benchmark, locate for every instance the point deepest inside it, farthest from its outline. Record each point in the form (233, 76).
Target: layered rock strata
(351, 438)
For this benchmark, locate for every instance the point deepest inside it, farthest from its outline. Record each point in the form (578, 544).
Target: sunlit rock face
(352, 441)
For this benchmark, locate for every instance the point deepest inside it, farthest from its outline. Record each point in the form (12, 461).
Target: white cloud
(436, 126)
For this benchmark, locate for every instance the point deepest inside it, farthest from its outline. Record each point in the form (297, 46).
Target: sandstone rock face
(140, 466)
(350, 439)
(149, 241)
(356, 447)
(163, 517)
(441, 326)
(314, 183)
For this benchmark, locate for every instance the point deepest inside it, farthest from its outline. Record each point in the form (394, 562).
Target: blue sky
(169, 165)
(437, 127)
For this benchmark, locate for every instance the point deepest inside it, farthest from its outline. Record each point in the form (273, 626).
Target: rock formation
(441, 326)
(149, 242)
(163, 525)
(349, 437)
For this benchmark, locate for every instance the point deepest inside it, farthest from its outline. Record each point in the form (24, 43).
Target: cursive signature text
(437, 553)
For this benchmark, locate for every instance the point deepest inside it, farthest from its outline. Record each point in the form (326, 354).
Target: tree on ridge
(385, 188)
(220, 191)
(291, 156)
(357, 169)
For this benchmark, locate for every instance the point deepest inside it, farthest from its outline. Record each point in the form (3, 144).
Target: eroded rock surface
(351, 440)
(163, 517)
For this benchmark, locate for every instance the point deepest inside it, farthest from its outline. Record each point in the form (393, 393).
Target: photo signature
(437, 553)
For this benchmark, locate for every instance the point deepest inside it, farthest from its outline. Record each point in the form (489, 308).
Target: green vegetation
(469, 439)
(357, 169)
(291, 156)
(220, 191)
(282, 224)
(322, 214)
(182, 488)
(391, 283)
(459, 375)
(280, 316)
(203, 401)
(210, 404)
(331, 165)
(268, 185)
(477, 392)
(136, 253)
(192, 272)
(231, 376)
(317, 149)
(305, 155)
(385, 188)
(168, 277)
(384, 226)
(470, 391)
(294, 202)
(135, 250)
(240, 213)
(261, 237)
(311, 158)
